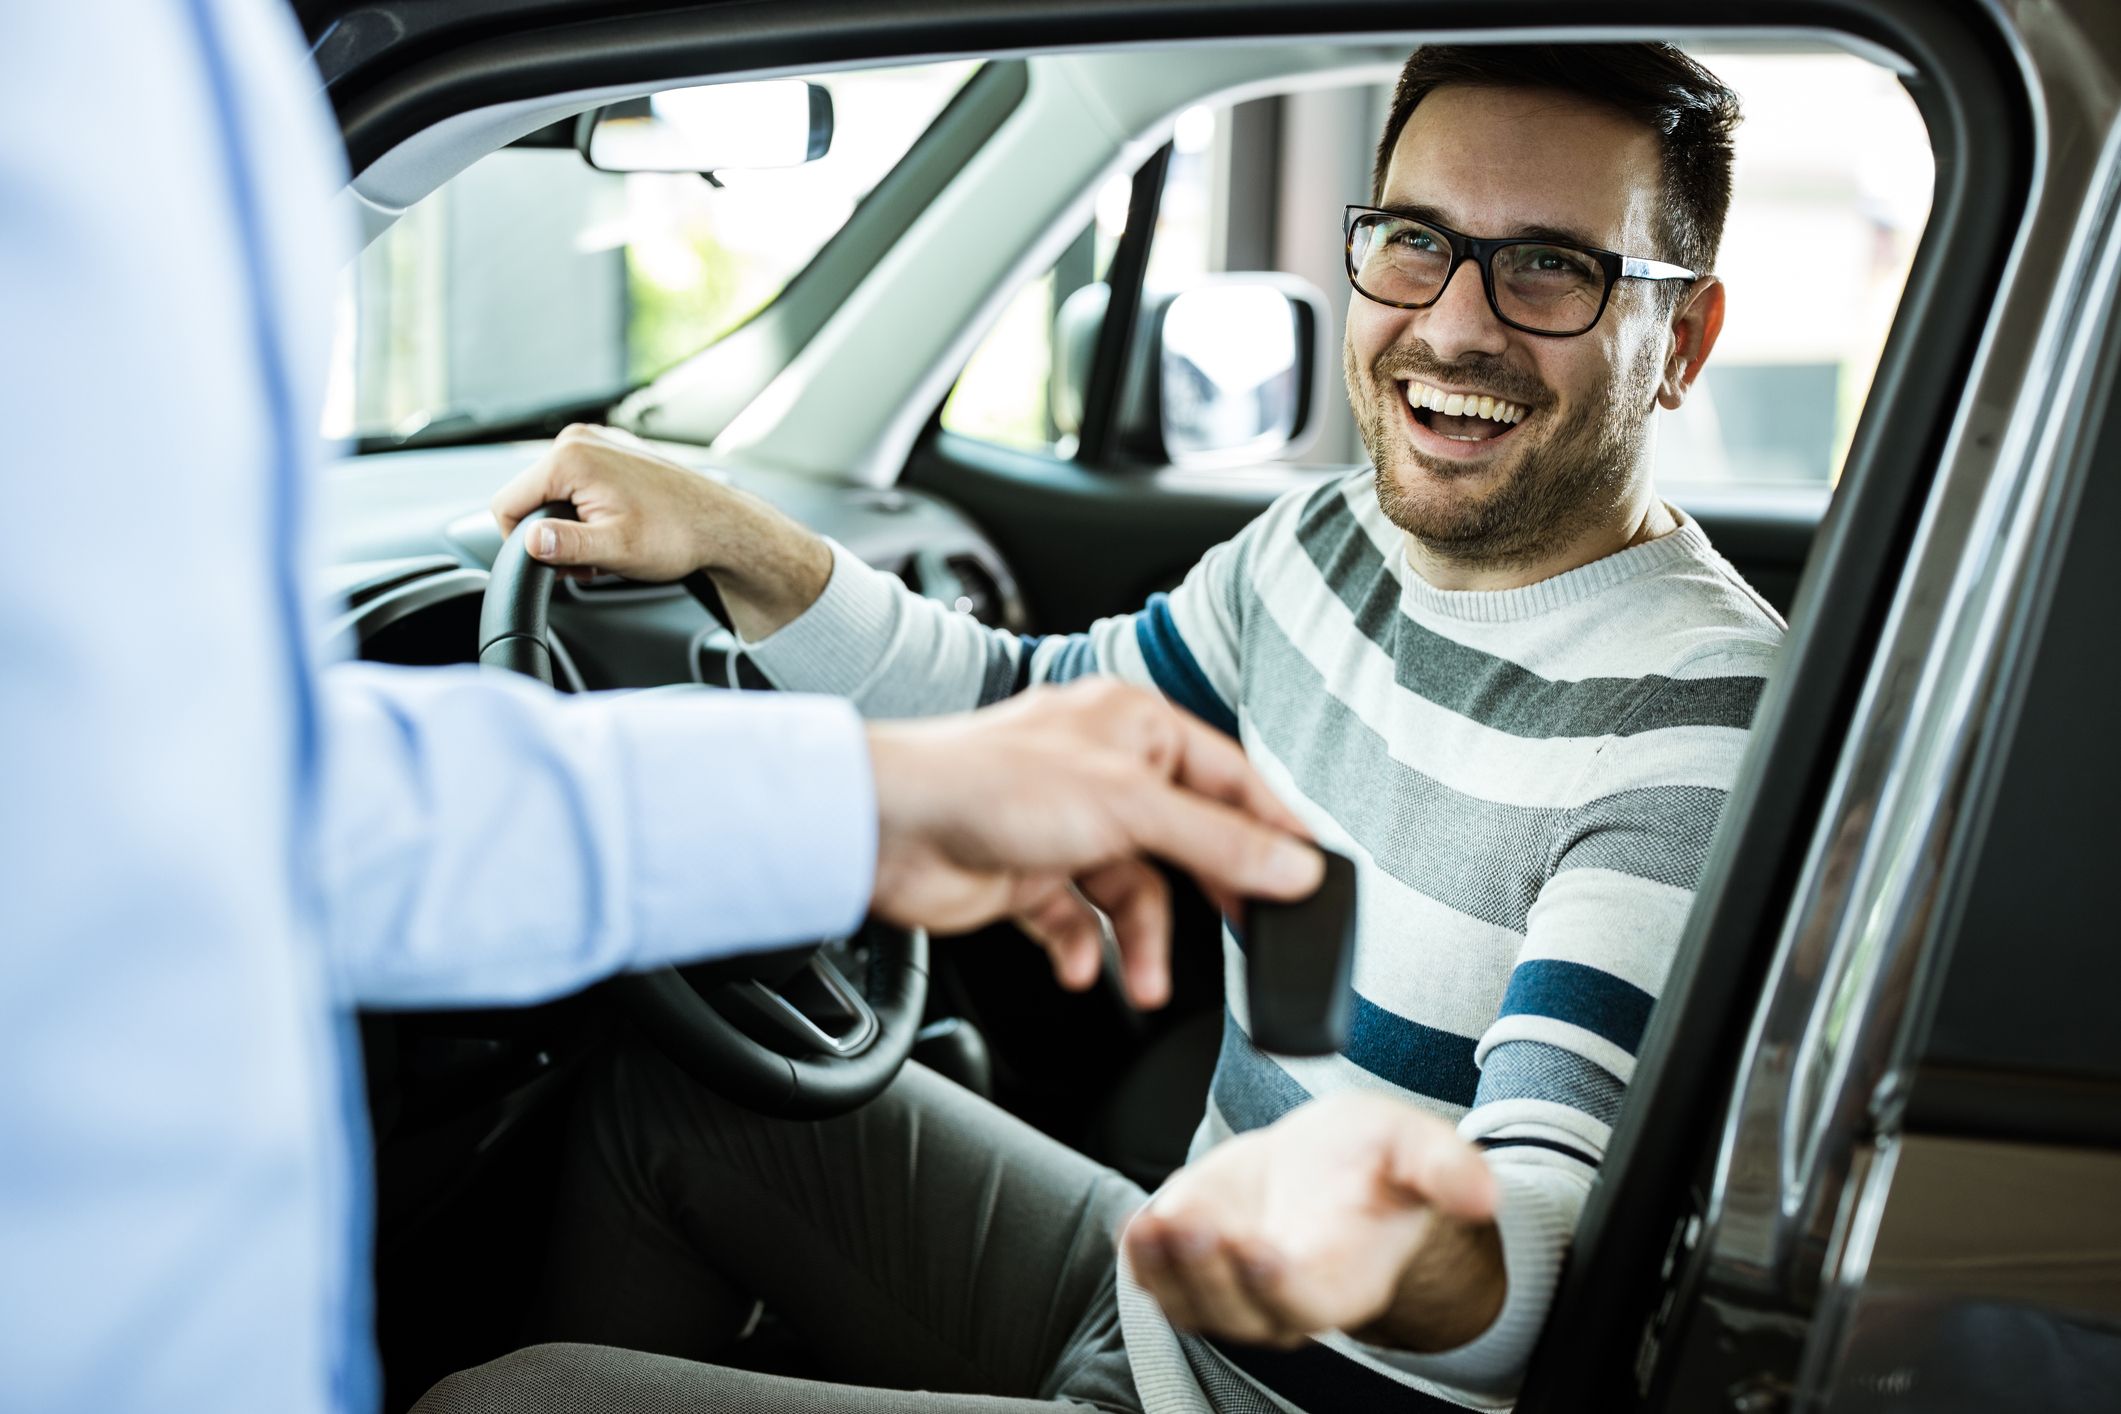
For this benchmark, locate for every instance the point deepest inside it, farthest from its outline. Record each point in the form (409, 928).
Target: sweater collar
(1688, 543)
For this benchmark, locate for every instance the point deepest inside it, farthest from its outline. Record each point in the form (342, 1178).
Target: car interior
(977, 330)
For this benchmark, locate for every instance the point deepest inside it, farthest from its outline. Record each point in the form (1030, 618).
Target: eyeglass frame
(1481, 251)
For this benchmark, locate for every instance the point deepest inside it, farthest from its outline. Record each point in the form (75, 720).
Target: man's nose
(1461, 321)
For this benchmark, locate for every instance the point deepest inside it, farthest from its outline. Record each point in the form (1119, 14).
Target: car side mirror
(1235, 359)
(1223, 370)
(710, 128)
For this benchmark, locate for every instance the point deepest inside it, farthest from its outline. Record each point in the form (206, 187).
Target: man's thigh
(928, 1240)
(596, 1379)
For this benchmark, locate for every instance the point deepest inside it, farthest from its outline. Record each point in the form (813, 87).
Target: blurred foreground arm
(485, 841)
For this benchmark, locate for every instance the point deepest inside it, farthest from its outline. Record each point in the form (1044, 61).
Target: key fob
(1298, 961)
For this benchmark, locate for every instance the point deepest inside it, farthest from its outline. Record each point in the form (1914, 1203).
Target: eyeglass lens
(1548, 288)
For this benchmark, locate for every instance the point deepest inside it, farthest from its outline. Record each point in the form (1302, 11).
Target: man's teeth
(1421, 395)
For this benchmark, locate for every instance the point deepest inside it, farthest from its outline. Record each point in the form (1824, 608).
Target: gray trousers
(931, 1251)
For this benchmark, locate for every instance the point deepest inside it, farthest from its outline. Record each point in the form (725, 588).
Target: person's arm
(486, 841)
(815, 618)
(1390, 1246)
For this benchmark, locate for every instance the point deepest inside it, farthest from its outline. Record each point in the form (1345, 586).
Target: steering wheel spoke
(816, 1012)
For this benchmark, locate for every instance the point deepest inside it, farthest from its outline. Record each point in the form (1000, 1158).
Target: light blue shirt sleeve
(211, 848)
(484, 841)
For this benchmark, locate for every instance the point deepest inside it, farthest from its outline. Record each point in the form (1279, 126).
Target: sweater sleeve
(897, 654)
(1556, 1062)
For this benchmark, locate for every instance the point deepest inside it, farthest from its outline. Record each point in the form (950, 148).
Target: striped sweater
(1527, 781)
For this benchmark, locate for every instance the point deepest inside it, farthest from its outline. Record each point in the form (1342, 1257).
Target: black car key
(1298, 961)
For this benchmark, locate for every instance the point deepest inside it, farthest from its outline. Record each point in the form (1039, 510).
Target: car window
(1830, 192)
(1816, 249)
(531, 281)
(1005, 393)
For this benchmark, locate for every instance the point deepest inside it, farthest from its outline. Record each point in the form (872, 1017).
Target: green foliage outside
(684, 300)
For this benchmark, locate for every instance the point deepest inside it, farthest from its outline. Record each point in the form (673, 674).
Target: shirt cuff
(1536, 1226)
(836, 644)
(779, 788)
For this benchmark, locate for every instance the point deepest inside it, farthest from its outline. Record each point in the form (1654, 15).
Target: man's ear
(1695, 325)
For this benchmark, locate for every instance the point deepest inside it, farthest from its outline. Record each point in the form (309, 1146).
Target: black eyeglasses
(1541, 287)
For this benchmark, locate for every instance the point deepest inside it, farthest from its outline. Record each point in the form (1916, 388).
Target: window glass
(1830, 192)
(1816, 249)
(531, 281)
(1005, 393)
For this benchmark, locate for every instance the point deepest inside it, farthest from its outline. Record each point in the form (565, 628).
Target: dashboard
(409, 540)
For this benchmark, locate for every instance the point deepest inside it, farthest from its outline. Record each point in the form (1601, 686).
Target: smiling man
(1493, 666)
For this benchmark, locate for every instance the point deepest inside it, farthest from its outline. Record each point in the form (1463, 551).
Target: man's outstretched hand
(1355, 1213)
(1007, 812)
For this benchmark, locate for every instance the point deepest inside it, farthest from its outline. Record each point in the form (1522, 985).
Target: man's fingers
(1138, 902)
(1067, 928)
(552, 477)
(1203, 1272)
(529, 490)
(1433, 1164)
(1225, 848)
(1214, 765)
(1149, 1251)
(570, 542)
(1264, 1275)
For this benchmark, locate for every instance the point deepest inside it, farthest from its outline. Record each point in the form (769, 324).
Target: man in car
(1493, 666)
(212, 850)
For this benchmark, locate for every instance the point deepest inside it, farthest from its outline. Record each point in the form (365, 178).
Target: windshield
(532, 282)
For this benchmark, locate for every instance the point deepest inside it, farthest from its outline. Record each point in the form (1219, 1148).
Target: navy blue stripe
(1077, 658)
(1425, 1059)
(1174, 668)
(1420, 1058)
(1320, 1380)
(1577, 1154)
(1580, 995)
(1249, 1088)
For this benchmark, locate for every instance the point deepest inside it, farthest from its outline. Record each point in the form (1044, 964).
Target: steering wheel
(783, 1033)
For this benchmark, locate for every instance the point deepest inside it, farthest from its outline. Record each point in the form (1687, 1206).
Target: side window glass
(1815, 253)
(1816, 250)
(1006, 393)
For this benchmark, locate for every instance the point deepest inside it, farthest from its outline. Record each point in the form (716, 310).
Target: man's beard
(1562, 484)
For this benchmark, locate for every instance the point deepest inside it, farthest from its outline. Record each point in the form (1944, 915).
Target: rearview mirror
(711, 128)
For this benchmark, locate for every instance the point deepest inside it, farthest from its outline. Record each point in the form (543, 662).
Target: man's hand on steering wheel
(1008, 812)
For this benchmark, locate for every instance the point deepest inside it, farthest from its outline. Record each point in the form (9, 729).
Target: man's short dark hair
(1689, 109)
